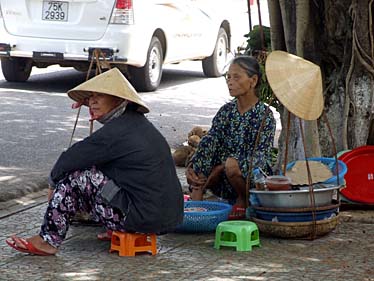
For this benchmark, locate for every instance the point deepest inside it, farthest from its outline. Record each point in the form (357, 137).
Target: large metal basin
(295, 198)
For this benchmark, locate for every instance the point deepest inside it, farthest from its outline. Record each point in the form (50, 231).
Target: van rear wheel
(148, 77)
(16, 69)
(214, 65)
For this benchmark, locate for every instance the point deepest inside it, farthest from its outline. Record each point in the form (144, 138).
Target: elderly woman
(123, 174)
(223, 157)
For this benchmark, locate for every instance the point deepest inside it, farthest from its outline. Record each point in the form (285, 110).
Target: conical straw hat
(111, 82)
(297, 83)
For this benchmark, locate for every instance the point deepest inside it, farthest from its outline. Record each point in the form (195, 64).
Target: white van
(137, 36)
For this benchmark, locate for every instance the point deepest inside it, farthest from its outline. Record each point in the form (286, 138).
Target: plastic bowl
(278, 183)
(203, 221)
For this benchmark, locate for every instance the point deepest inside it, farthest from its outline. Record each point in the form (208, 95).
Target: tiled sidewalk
(347, 253)
(344, 254)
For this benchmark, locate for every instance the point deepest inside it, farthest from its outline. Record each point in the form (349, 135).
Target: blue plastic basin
(294, 216)
(331, 163)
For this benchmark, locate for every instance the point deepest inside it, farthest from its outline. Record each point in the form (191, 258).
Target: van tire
(148, 77)
(16, 69)
(214, 65)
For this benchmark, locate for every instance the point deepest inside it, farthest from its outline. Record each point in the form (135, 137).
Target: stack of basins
(289, 211)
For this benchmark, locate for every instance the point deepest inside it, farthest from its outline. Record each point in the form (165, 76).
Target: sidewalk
(345, 254)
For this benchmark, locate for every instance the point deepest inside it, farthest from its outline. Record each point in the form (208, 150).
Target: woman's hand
(197, 184)
(193, 179)
(50, 193)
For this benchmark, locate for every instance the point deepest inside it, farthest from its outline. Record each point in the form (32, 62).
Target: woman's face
(238, 81)
(101, 104)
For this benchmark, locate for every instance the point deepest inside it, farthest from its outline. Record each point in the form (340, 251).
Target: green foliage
(265, 92)
(274, 155)
(254, 39)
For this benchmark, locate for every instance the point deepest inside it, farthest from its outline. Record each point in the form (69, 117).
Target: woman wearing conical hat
(123, 174)
(223, 157)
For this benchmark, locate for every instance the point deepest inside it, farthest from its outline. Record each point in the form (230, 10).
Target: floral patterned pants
(78, 191)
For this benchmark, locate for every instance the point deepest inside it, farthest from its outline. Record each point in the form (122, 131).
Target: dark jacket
(134, 154)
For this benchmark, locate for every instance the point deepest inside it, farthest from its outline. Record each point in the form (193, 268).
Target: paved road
(37, 118)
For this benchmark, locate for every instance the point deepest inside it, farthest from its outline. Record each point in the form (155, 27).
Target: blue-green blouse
(234, 135)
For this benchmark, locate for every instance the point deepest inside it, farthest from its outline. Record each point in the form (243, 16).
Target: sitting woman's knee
(232, 168)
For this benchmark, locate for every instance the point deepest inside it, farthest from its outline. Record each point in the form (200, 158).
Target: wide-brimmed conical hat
(297, 83)
(111, 82)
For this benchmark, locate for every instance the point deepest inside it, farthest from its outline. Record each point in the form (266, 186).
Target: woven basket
(296, 229)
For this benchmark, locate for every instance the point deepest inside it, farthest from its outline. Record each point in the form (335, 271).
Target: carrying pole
(99, 58)
(249, 15)
(261, 27)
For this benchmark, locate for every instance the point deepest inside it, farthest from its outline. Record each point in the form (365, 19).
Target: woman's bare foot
(40, 244)
(237, 213)
(36, 241)
(105, 236)
(240, 202)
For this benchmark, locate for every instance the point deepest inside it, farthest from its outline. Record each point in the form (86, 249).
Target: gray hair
(250, 65)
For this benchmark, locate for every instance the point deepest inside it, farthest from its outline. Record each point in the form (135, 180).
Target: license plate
(48, 56)
(55, 10)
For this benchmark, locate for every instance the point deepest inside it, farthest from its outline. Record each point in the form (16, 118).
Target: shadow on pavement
(62, 80)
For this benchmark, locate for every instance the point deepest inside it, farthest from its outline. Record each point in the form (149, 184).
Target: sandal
(237, 213)
(27, 247)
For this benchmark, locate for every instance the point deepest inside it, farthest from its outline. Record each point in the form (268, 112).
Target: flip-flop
(237, 213)
(105, 236)
(28, 247)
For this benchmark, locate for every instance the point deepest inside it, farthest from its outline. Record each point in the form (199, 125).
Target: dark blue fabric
(234, 135)
(133, 153)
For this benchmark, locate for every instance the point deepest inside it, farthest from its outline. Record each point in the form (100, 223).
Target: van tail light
(123, 12)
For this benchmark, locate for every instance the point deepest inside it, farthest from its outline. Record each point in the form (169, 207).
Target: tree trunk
(305, 44)
(288, 13)
(297, 33)
(360, 83)
(290, 136)
(335, 31)
(348, 74)
(276, 31)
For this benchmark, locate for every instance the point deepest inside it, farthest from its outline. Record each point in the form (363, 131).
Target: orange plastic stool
(128, 244)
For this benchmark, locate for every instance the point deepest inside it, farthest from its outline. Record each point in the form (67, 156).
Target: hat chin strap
(92, 116)
(114, 113)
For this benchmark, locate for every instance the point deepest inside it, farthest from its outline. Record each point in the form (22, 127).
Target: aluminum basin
(295, 198)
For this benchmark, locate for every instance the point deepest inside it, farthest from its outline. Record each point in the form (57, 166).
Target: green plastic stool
(240, 234)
